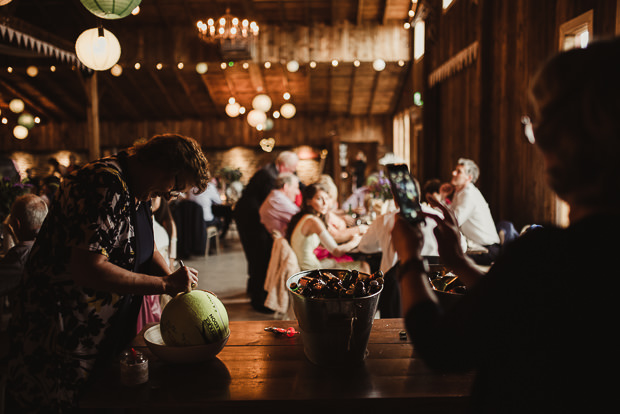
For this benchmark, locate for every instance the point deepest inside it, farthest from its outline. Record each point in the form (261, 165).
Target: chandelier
(227, 27)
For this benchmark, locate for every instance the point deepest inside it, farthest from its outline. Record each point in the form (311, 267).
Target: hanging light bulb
(201, 67)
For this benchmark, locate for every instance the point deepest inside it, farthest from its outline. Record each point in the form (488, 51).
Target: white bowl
(181, 354)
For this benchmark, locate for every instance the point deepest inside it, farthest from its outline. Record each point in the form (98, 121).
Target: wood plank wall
(214, 133)
(476, 111)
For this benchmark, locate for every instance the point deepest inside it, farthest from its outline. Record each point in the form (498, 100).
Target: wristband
(413, 265)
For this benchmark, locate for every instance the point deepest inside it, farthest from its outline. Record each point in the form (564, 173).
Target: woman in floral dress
(93, 260)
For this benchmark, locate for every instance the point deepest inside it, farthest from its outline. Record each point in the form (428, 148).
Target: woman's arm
(315, 226)
(93, 270)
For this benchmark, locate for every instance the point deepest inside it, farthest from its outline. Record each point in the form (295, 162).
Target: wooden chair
(212, 232)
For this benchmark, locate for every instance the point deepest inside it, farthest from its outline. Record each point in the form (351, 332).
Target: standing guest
(91, 263)
(307, 230)
(207, 199)
(27, 215)
(255, 238)
(472, 212)
(538, 328)
(279, 206)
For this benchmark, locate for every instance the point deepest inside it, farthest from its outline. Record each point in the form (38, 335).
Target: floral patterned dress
(62, 331)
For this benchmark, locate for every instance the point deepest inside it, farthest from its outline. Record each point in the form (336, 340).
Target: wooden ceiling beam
(29, 101)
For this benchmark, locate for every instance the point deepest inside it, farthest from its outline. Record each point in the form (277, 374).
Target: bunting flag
(41, 47)
(455, 64)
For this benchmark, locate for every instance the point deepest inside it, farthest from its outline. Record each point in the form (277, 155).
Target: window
(418, 40)
(576, 32)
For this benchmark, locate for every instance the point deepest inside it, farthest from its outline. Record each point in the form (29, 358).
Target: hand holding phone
(406, 192)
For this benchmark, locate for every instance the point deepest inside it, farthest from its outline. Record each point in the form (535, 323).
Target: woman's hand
(184, 279)
(407, 240)
(448, 236)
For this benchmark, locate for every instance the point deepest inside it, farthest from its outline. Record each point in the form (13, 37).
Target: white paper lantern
(16, 105)
(292, 66)
(232, 109)
(20, 132)
(256, 117)
(261, 102)
(288, 110)
(98, 52)
(3, 2)
(201, 67)
(111, 9)
(378, 65)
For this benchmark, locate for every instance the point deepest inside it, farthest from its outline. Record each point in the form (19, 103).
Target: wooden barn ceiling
(164, 33)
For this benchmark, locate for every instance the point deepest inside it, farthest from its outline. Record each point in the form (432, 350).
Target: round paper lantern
(268, 124)
(3, 2)
(288, 110)
(20, 132)
(26, 120)
(98, 49)
(232, 109)
(16, 105)
(201, 67)
(261, 102)
(256, 117)
(111, 9)
(378, 65)
(292, 66)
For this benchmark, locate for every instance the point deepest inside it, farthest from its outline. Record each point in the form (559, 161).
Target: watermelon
(194, 318)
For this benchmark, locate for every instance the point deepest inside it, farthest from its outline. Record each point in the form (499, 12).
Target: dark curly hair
(177, 154)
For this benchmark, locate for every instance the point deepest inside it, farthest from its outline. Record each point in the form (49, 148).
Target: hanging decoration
(11, 34)
(20, 132)
(288, 110)
(16, 105)
(98, 48)
(256, 117)
(111, 9)
(261, 102)
(26, 120)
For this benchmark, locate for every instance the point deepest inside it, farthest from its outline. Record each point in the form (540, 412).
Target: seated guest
(27, 215)
(307, 230)
(206, 200)
(472, 212)
(337, 225)
(431, 189)
(279, 206)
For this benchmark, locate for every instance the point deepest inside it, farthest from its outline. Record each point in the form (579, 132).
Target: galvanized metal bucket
(334, 331)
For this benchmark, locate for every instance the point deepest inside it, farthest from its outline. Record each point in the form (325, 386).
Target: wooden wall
(474, 109)
(211, 133)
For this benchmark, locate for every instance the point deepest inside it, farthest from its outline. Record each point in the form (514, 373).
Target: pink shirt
(276, 211)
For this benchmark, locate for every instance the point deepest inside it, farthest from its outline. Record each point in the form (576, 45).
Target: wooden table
(258, 371)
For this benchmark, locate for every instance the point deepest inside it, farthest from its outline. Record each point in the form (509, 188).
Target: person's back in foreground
(537, 329)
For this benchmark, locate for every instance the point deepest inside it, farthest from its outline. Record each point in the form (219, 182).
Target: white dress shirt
(206, 199)
(474, 217)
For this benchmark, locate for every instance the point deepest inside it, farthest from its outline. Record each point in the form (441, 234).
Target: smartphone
(406, 192)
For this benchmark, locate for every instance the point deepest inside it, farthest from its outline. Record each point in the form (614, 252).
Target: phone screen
(405, 192)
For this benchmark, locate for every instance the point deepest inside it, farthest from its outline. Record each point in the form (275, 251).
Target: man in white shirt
(472, 212)
(279, 206)
(206, 200)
